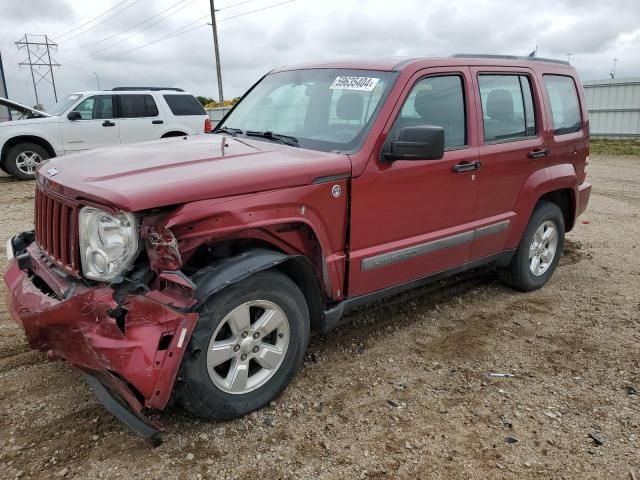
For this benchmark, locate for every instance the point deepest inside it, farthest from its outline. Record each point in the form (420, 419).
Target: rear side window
(565, 109)
(184, 105)
(507, 107)
(436, 101)
(135, 106)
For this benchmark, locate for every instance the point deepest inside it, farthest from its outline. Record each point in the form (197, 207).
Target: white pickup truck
(88, 120)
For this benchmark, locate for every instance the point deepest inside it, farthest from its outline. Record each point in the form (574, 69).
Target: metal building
(614, 107)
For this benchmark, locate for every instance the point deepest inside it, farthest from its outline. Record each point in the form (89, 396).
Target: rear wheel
(539, 251)
(23, 159)
(248, 344)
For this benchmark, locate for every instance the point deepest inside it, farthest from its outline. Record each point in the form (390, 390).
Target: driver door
(412, 219)
(96, 128)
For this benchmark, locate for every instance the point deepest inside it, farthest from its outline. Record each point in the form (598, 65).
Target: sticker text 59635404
(365, 84)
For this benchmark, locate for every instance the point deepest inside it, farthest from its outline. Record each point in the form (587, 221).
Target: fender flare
(214, 278)
(548, 179)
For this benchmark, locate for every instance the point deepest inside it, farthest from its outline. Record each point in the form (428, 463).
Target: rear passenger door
(139, 118)
(512, 147)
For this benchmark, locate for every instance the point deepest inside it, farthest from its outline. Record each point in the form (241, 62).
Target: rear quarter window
(184, 105)
(565, 109)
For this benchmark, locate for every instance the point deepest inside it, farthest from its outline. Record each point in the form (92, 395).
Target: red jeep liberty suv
(193, 269)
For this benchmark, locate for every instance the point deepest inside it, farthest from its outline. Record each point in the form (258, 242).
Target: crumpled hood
(184, 169)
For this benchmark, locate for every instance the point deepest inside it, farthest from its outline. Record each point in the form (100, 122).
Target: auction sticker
(365, 84)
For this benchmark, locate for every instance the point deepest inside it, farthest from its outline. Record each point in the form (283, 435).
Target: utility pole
(97, 80)
(569, 57)
(214, 28)
(39, 57)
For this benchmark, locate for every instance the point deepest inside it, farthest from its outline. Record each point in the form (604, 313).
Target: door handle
(157, 122)
(538, 153)
(108, 123)
(467, 166)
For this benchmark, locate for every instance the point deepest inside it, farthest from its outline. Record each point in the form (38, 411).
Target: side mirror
(74, 115)
(419, 142)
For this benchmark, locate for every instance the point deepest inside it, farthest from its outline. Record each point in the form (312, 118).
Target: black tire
(518, 274)
(197, 391)
(12, 158)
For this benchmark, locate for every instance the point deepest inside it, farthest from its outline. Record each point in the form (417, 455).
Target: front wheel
(248, 344)
(539, 251)
(23, 159)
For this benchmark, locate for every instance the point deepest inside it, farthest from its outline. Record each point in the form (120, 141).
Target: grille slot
(57, 230)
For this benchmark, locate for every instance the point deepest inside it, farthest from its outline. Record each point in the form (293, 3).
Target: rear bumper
(135, 354)
(584, 193)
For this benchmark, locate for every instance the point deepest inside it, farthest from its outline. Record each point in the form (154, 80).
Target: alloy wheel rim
(543, 248)
(248, 347)
(28, 161)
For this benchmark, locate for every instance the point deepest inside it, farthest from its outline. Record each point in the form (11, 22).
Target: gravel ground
(400, 392)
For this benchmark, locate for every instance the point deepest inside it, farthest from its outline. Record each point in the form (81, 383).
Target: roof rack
(509, 57)
(153, 89)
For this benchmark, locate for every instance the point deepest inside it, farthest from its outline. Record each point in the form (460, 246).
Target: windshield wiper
(231, 131)
(284, 139)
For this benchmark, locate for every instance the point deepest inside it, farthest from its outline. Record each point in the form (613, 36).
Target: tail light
(207, 125)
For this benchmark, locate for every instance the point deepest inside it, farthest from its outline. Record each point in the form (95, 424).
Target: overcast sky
(124, 54)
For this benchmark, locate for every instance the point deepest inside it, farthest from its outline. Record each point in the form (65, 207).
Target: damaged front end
(127, 337)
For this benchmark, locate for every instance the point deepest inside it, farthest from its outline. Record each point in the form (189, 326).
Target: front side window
(437, 101)
(507, 107)
(136, 106)
(324, 109)
(97, 107)
(565, 109)
(60, 107)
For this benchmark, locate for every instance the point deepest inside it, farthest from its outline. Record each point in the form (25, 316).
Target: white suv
(87, 120)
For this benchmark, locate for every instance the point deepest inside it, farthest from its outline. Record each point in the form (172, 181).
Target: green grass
(615, 147)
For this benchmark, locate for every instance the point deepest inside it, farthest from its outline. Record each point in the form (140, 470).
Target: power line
(89, 21)
(175, 33)
(256, 10)
(235, 5)
(101, 22)
(149, 26)
(134, 26)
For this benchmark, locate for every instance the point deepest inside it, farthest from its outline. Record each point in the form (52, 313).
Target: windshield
(322, 109)
(60, 107)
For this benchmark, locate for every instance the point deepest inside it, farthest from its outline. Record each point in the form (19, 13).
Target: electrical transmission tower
(38, 49)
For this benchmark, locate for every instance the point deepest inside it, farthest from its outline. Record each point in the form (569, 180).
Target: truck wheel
(248, 344)
(23, 158)
(539, 251)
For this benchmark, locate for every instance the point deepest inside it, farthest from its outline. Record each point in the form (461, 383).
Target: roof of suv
(400, 63)
(115, 91)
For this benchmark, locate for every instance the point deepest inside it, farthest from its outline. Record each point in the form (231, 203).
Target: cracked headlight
(108, 243)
